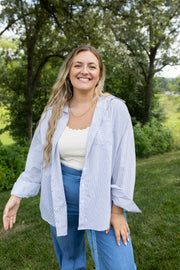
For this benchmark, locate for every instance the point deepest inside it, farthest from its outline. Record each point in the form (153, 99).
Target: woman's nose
(84, 70)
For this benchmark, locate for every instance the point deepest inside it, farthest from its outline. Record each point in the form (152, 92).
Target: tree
(147, 29)
(13, 74)
(174, 85)
(33, 27)
(161, 84)
(45, 30)
(122, 79)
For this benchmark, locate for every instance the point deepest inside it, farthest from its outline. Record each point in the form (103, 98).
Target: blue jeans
(70, 249)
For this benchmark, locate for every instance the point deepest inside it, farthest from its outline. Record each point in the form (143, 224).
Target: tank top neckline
(77, 129)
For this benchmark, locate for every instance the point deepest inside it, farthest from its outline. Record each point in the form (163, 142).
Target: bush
(152, 138)
(12, 163)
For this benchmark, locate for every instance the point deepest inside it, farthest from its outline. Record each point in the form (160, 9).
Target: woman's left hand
(119, 224)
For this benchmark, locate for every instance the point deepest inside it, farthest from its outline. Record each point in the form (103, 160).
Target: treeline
(165, 85)
(134, 38)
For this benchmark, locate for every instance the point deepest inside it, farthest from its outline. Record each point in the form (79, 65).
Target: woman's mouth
(82, 79)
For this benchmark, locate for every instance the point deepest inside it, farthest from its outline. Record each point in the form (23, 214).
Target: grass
(155, 232)
(5, 137)
(171, 106)
(28, 246)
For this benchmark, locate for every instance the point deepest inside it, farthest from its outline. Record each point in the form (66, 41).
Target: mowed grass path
(171, 107)
(155, 232)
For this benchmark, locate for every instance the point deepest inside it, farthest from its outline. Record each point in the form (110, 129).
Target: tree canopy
(133, 37)
(147, 29)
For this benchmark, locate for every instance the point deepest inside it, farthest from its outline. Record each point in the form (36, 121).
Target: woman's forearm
(116, 209)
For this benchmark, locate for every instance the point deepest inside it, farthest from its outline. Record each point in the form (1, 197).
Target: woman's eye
(79, 66)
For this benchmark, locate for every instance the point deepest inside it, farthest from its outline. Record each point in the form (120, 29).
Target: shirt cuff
(25, 189)
(122, 200)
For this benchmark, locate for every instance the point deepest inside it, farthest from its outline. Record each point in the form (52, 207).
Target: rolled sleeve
(124, 163)
(29, 182)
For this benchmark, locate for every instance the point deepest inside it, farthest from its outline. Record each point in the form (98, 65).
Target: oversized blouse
(108, 174)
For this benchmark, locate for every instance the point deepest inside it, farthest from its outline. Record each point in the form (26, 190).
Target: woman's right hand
(10, 211)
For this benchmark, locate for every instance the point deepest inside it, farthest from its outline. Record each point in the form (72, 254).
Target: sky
(169, 72)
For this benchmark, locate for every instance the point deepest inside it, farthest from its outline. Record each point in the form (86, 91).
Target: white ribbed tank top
(72, 147)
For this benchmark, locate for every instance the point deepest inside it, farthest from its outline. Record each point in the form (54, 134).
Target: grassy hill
(5, 138)
(171, 106)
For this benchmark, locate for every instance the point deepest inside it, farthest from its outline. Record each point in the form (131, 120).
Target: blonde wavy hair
(63, 92)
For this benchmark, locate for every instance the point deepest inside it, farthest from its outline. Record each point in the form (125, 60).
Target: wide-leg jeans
(70, 249)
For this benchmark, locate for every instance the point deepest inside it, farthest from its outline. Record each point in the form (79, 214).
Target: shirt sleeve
(124, 161)
(29, 181)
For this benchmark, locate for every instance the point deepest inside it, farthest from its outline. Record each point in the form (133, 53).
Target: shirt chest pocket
(104, 134)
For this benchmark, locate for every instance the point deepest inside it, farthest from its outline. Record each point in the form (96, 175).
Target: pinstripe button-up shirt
(108, 174)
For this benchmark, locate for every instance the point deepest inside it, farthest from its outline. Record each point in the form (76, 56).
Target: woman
(82, 156)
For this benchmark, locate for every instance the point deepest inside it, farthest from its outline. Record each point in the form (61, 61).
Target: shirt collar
(65, 108)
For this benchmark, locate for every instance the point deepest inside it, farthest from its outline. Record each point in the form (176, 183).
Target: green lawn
(171, 106)
(5, 137)
(155, 232)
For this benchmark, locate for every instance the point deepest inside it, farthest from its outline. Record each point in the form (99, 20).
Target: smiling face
(84, 72)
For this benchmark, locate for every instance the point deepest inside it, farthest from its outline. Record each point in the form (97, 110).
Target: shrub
(152, 138)
(12, 163)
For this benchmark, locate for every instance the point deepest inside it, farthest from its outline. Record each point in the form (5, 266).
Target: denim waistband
(69, 170)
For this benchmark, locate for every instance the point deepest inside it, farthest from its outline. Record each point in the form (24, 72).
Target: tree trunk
(29, 119)
(148, 95)
(29, 94)
(148, 86)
